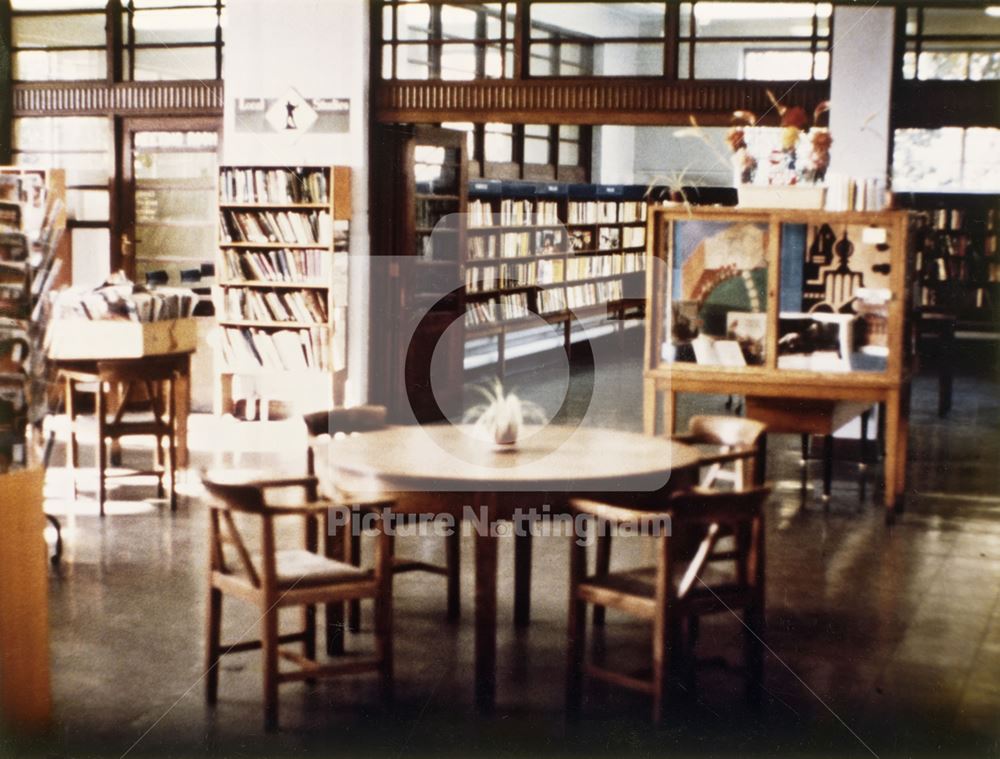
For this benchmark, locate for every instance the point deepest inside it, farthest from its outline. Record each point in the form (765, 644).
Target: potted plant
(502, 415)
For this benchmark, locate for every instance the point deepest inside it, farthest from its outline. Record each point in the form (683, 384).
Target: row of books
(273, 186)
(488, 278)
(593, 293)
(591, 212)
(301, 227)
(603, 266)
(633, 237)
(482, 213)
(551, 301)
(307, 306)
(280, 265)
(482, 312)
(250, 349)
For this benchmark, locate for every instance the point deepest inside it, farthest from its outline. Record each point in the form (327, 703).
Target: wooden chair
(731, 440)
(366, 419)
(276, 579)
(145, 389)
(739, 442)
(675, 589)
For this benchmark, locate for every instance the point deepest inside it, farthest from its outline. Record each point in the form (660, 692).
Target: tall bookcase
(958, 257)
(550, 253)
(281, 298)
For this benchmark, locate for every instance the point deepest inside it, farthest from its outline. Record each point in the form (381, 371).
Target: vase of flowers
(502, 415)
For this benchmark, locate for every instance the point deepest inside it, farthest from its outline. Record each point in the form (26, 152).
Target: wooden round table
(437, 469)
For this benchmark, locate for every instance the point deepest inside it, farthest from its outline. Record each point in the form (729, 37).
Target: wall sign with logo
(293, 114)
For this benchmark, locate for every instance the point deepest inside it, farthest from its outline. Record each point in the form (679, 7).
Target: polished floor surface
(883, 640)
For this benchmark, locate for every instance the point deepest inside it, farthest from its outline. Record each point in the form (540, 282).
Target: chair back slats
(347, 420)
(236, 540)
(728, 431)
(707, 507)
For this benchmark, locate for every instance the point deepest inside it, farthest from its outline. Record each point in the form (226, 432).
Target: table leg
(522, 578)
(486, 614)
(182, 402)
(892, 429)
(649, 398)
(903, 443)
(669, 413)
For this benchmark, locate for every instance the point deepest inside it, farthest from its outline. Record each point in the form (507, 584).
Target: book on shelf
(551, 300)
(482, 246)
(520, 275)
(481, 312)
(515, 244)
(607, 211)
(516, 212)
(482, 278)
(632, 211)
(306, 306)
(581, 212)
(281, 265)
(250, 349)
(549, 242)
(633, 237)
(514, 305)
(551, 270)
(480, 213)
(548, 212)
(268, 227)
(277, 186)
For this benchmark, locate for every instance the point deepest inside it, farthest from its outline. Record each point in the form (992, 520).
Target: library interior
(643, 356)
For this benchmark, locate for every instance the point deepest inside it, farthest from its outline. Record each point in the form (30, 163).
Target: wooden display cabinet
(803, 312)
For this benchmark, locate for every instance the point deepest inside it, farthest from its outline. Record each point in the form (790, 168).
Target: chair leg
(383, 616)
(161, 468)
(352, 555)
(661, 664)
(602, 569)
(335, 611)
(577, 646)
(172, 457)
(269, 646)
(804, 442)
(453, 562)
(213, 647)
(827, 466)
(102, 451)
(74, 446)
(309, 639)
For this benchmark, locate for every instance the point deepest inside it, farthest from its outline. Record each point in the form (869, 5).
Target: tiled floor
(884, 640)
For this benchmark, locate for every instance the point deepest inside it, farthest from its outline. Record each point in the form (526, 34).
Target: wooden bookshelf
(281, 297)
(553, 253)
(958, 257)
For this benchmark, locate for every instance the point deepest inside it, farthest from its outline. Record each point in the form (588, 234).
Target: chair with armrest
(277, 578)
(677, 588)
(360, 419)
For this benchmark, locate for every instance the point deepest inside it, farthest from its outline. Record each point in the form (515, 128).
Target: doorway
(169, 171)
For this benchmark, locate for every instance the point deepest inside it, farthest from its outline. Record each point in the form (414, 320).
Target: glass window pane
(91, 248)
(499, 143)
(960, 21)
(981, 172)
(536, 130)
(927, 159)
(175, 25)
(412, 62)
(777, 64)
(609, 59)
(598, 19)
(536, 151)
(81, 168)
(75, 30)
(458, 62)
(458, 22)
(569, 153)
(464, 126)
(57, 5)
(684, 60)
(387, 62)
(753, 60)
(413, 21)
(685, 25)
(569, 132)
(61, 65)
(387, 22)
(62, 133)
(943, 65)
(175, 63)
(755, 19)
(984, 66)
